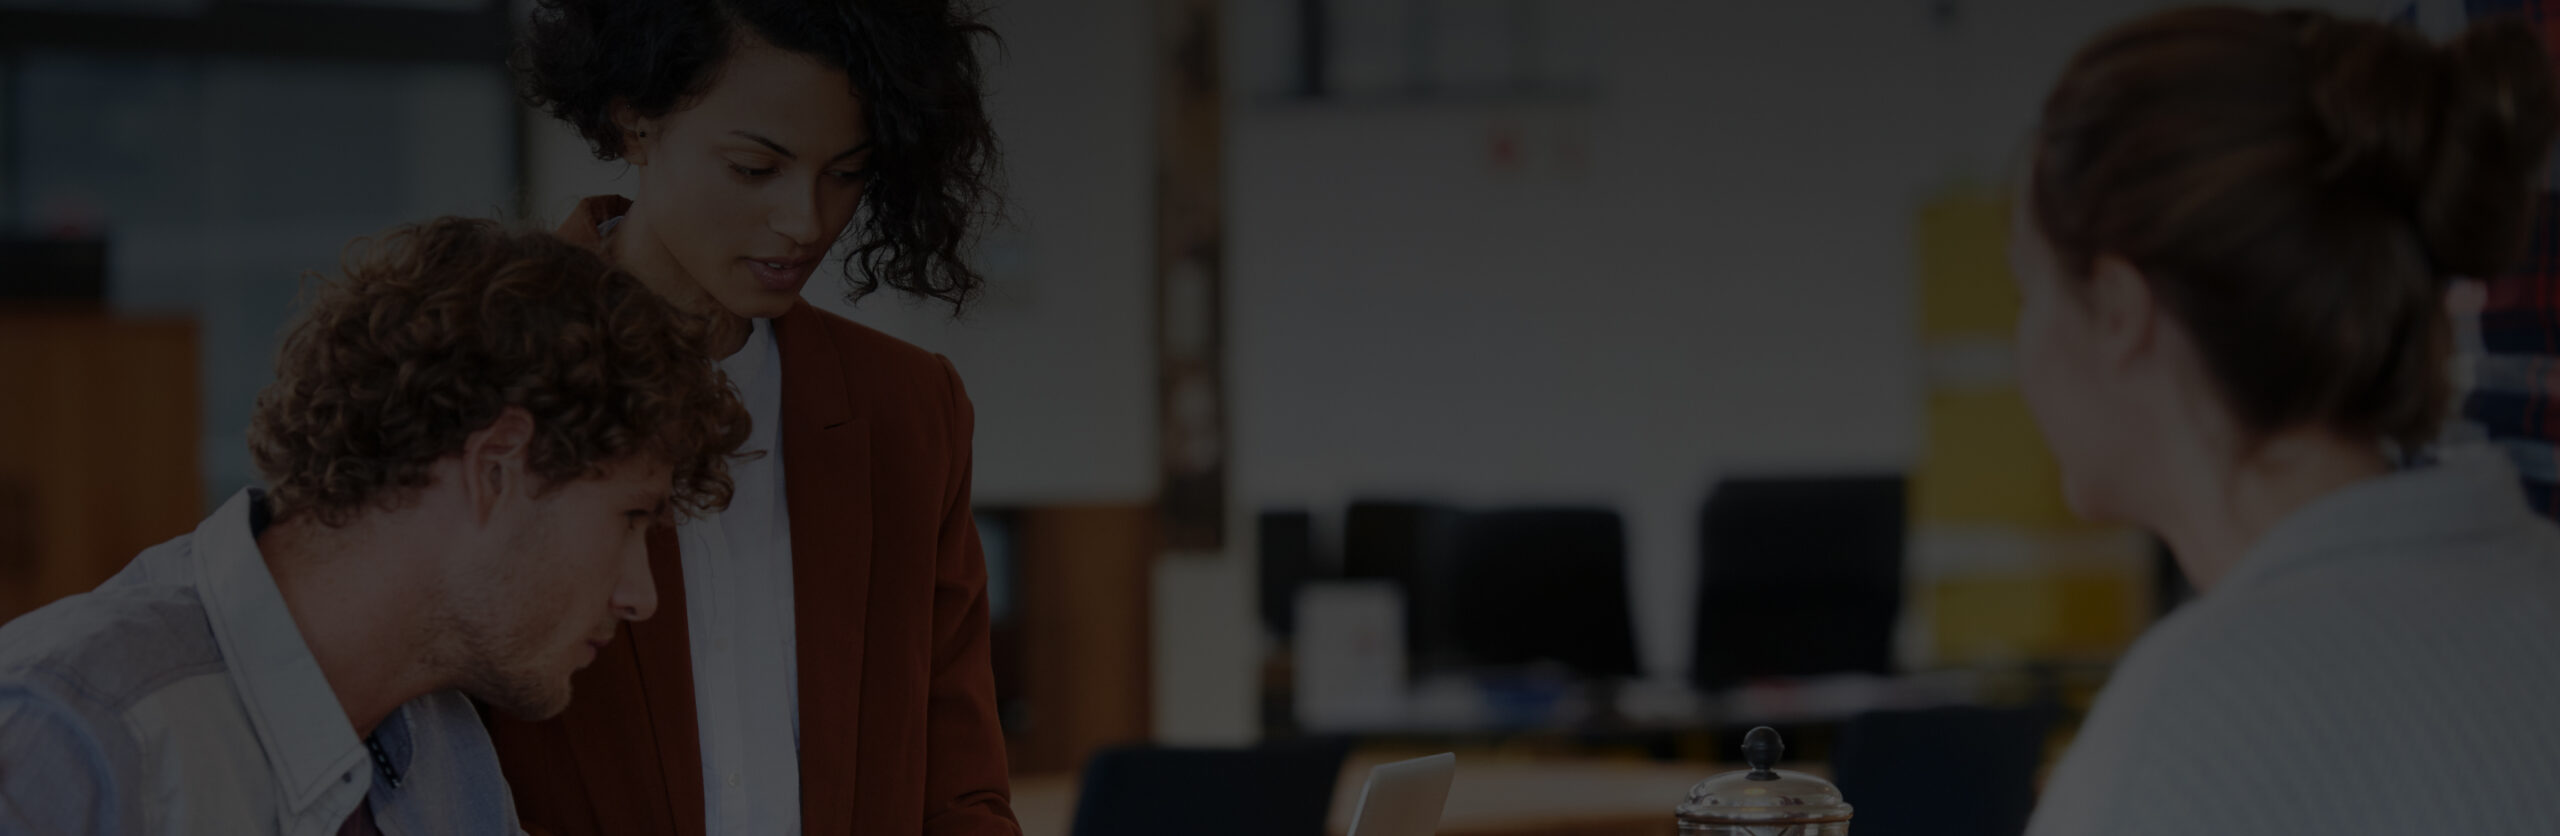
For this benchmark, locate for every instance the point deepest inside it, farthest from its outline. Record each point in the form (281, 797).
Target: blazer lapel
(665, 656)
(826, 473)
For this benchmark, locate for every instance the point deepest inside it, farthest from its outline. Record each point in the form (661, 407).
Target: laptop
(1405, 798)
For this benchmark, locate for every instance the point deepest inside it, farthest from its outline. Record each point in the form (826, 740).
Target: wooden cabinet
(1074, 660)
(99, 428)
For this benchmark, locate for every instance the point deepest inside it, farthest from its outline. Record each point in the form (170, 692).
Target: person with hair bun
(2233, 250)
(822, 664)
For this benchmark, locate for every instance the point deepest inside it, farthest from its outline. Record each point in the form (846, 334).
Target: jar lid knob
(1761, 749)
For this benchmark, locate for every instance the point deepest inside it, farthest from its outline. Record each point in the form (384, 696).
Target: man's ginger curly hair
(433, 329)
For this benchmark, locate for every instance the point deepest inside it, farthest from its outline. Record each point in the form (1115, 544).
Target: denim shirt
(179, 697)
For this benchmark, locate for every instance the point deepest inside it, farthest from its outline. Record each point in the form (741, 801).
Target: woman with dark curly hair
(821, 663)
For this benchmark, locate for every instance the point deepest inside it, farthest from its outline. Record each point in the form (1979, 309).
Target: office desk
(1502, 798)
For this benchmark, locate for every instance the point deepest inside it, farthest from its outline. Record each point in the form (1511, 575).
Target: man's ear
(496, 462)
(2124, 311)
(639, 135)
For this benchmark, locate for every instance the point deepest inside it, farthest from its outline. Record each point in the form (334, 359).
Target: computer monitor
(1285, 558)
(52, 270)
(1500, 588)
(1799, 576)
(1400, 540)
(1528, 585)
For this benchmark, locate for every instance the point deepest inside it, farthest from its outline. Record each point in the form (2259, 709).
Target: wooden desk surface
(1499, 798)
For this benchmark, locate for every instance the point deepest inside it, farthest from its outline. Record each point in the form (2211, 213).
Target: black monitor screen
(1800, 577)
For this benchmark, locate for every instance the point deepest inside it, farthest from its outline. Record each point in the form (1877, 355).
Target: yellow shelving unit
(2002, 571)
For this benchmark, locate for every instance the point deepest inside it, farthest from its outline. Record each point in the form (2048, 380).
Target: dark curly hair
(434, 329)
(934, 164)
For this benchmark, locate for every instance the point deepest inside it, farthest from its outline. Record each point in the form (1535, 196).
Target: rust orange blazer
(898, 728)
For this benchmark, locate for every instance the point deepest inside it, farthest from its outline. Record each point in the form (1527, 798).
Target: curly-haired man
(470, 433)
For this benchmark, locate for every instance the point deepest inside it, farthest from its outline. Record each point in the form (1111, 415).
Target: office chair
(1962, 771)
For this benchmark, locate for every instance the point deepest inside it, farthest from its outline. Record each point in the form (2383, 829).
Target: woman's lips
(782, 276)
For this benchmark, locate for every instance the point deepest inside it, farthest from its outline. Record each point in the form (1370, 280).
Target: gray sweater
(2385, 660)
